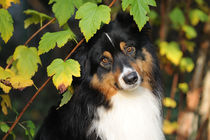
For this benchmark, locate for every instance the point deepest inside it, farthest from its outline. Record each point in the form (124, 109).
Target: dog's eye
(105, 62)
(130, 51)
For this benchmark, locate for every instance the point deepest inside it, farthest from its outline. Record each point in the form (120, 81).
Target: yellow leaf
(5, 74)
(169, 102)
(183, 87)
(6, 102)
(169, 127)
(6, 89)
(19, 82)
(7, 3)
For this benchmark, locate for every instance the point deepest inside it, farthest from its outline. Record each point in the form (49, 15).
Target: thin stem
(26, 43)
(41, 88)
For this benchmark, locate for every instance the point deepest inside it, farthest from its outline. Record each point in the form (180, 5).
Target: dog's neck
(134, 115)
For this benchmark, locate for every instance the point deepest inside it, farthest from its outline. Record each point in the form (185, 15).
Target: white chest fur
(134, 115)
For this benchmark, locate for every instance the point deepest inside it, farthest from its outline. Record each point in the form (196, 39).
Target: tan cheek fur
(106, 85)
(146, 69)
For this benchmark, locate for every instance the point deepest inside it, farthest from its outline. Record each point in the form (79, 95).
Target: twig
(172, 94)
(41, 88)
(48, 23)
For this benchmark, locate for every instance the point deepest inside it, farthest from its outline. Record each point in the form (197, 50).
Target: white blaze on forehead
(123, 85)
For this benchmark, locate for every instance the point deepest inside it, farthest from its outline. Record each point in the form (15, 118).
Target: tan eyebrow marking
(108, 55)
(122, 46)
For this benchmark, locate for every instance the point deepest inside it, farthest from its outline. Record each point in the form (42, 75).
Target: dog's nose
(130, 78)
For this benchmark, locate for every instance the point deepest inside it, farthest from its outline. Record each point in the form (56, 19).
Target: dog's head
(119, 57)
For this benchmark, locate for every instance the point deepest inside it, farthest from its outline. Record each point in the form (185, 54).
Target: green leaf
(36, 17)
(139, 9)
(197, 15)
(186, 64)
(49, 40)
(91, 17)
(66, 97)
(27, 60)
(183, 87)
(94, 1)
(6, 25)
(190, 32)
(4, 127)
(31, 127)
(177, 17)
(171, 51)
(62, 72)
(64, 9)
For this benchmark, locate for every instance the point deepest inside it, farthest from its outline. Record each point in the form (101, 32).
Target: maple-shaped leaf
(27, 60)
(62, 72)
(7, 3)
(64, 9)
(20, 82)
(139, 9)
(36, 17)
(4, 75)
(5, 103)
(6, 25)
(50, 40)
(92, 16)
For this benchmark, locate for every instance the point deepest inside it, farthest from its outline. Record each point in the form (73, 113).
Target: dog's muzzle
(129, 79)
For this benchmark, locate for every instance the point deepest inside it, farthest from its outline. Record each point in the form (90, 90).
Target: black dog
(118, 96)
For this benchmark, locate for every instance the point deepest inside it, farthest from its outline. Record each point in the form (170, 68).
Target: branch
(43, 85)
(30, 38)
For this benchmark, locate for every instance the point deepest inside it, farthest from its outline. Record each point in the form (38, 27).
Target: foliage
(91, 17)
(139, 9)
(6, 25)
(182, 21)
(62, 72)
(36, 17)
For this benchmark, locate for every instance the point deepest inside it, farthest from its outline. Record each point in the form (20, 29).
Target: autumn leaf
(169, 127)
(169, 102)
(92, 16)
(27, 60)
(20, 82)
(5, 74)
(172, 51)
(6, 25)
(5, 103)
(183, 87)
(62, 72)
(7, 3)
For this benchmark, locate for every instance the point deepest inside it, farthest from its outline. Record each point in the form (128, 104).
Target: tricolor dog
(118, 96)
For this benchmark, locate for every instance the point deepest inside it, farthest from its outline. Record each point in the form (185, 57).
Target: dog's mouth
(129, 79)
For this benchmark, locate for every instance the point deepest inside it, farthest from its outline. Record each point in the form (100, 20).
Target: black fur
(72, 121)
